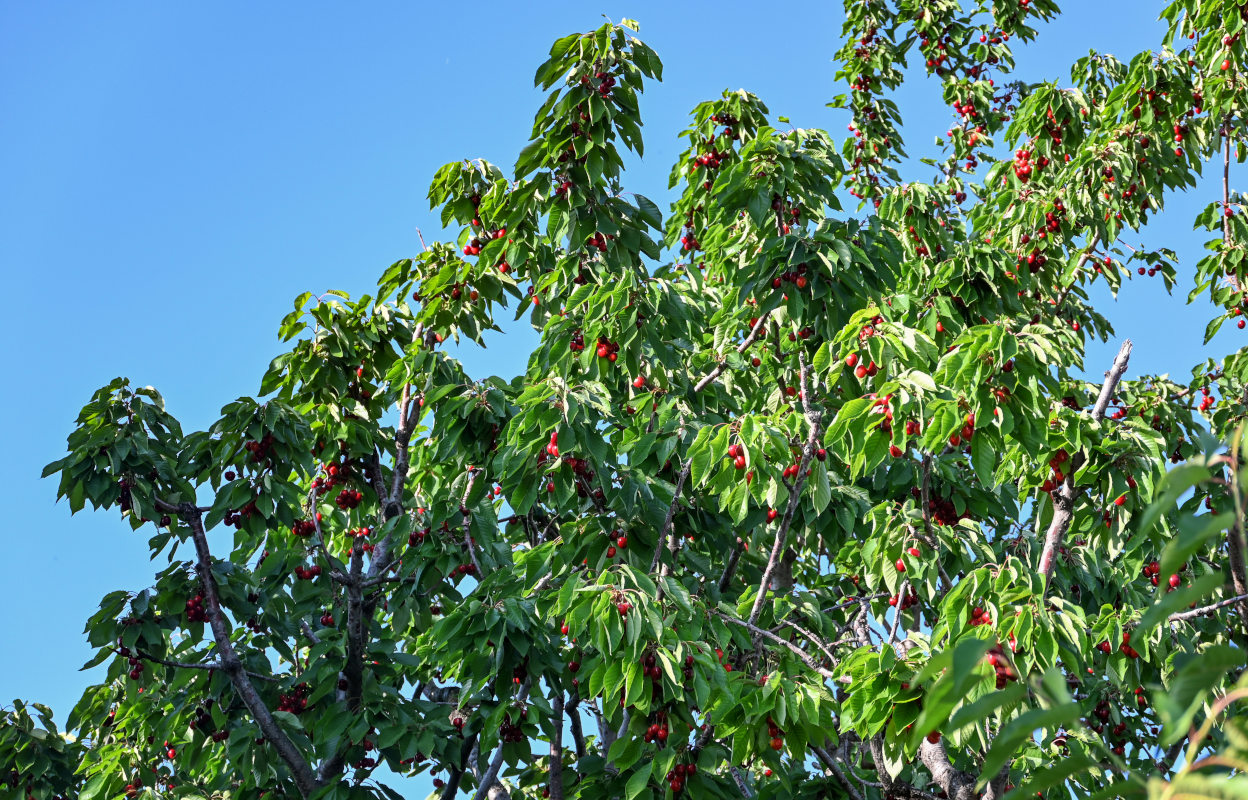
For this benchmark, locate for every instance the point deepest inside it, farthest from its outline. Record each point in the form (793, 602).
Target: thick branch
(1064, 495)
(957, 784)
(304, 778)
(828, 761)
(556, 748)
(574, 722)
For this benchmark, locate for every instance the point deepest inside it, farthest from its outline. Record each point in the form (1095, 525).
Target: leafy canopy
(791, 500)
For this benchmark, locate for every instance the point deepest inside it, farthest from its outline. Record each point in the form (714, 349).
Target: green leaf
(638, 781)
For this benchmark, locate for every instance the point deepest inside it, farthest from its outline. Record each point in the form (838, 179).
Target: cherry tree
(800, 494)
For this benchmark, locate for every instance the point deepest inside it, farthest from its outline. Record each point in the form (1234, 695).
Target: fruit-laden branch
(556, 748)
(211, 665)
(1064, 495)
(750, 339)
(305, 779)
(490, 778)
(795, 496)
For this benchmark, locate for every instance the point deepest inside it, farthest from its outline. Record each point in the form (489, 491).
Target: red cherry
(901, 565)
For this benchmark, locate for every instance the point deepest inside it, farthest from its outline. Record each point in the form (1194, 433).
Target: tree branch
(301, 771)
(761, 633)
(750, 339)
(491, 774)
(556, 748)
(795, 497)
(1064, 496)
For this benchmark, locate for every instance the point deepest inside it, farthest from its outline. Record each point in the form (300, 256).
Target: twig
(901, 595)
(1083, 259)
(762, 633)
(750, 339)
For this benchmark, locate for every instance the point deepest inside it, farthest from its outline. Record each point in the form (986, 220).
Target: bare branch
(666, 530)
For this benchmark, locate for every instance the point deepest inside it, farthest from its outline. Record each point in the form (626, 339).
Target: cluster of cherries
(906, 601)
(296, 701)
(942, 509)
(785, 210)
(861, 370)
(1055, 464)
(678, 775)
(348, 499)
(511, 732)
(598, 241)
(203, 721)
(775, 734)
(658, 730)
(606, 82)
(308, 573)
(260, 450)
(136, 667)
(979, 617)
(338, 474)
(1125, 647)
(797, 277)
(195, 609)
(1005, 673)
(1024, 166)
(235, 519)
(608, 349)
(303, 528)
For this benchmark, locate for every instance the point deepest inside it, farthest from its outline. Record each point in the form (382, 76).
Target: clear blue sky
(172, 175)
